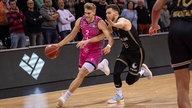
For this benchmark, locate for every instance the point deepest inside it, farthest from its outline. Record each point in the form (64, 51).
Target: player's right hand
(57, 45)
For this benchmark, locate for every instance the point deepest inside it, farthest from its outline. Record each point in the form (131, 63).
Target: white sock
(66, 95)
(141, 72)
(119, 91)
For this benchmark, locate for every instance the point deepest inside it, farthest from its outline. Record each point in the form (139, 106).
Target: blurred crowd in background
(44, 22)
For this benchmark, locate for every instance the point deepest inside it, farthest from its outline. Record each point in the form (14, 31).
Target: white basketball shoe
(116, 99)
(147, 72)
(104, 66)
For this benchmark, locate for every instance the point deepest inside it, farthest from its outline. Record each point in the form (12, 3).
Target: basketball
(51, 51)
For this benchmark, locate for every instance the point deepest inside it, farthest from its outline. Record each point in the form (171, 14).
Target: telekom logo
(32, 65)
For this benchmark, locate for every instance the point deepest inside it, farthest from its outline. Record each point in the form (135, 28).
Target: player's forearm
(119, 24)
(97, 38)
(156, 12)
(65, 40)
(110, 41)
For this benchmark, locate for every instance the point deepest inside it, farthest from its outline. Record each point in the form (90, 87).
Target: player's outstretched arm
(72, 35)
(121, 23)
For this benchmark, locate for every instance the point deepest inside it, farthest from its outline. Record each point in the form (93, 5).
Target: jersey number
(184, 3)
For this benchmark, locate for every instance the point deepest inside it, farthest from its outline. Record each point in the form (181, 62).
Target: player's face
(110, 14)
(89, 14)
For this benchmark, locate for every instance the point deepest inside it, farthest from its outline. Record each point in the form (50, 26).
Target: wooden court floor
(159, 92)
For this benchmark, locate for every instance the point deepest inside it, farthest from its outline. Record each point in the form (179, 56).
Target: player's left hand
(82, 44)
(106, 50)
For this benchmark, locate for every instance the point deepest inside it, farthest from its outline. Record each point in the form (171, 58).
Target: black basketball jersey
(130, 39)
(182, 9)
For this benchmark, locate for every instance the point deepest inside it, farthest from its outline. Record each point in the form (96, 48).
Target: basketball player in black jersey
(131, 56)
(180, 44)
(132, 53)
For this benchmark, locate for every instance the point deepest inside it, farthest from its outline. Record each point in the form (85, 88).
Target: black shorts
(133, 58)
(180, 43)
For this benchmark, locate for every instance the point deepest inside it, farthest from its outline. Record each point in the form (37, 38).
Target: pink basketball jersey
(92, 52)
(90, 30)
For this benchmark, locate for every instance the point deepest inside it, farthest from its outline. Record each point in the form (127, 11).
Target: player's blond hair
(90, 6)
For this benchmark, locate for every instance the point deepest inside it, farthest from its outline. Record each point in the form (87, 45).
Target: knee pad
(119, 67)
(89, 66)
(131, 79)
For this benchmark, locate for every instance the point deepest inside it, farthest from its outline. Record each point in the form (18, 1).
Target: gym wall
(29, 66)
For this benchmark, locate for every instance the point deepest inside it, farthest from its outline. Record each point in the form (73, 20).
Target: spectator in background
(79, 12)
(64, 20)
(16, 19)
(70, 5)
(22, 5)
(33, 21)
(118, 4)
(50, 16)
(39, 4)
(170, 5)
(94, 1)
(121, 4)
(150, 4)
(54, 4)
(79, 8)
(165, 19)
(143, 20)
(130, 13)
(4, 27)
(100, 11)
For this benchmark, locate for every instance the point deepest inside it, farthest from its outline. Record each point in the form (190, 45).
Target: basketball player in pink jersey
(90, 54)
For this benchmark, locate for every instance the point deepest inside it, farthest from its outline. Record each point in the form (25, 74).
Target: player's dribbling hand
(153, 30)
(57, 45)
(82, 44)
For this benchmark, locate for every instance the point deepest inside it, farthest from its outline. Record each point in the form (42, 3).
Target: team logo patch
(134, 65)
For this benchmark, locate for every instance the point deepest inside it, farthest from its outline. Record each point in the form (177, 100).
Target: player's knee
(82, 73)
(131, 79)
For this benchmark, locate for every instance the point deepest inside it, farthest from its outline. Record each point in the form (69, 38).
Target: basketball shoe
(103, 66)
(116, 99)
(147, 72)
(60, 102)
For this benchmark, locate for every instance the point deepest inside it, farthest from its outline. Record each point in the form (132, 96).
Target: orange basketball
(51, 51)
